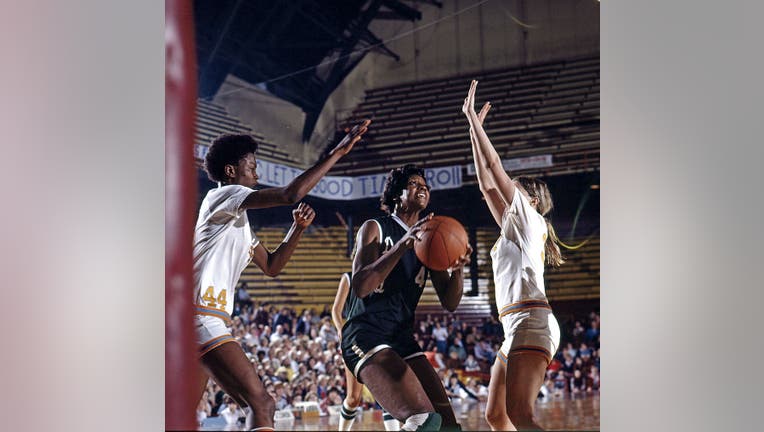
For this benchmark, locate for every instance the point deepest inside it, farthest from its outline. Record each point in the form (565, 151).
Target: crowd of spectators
(298, 360)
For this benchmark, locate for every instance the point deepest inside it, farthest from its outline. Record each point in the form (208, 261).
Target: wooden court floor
(580, 413)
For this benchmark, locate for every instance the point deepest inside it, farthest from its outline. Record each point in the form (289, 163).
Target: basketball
(443, 241)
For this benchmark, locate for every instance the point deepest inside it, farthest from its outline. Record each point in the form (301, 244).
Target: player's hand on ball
(412, 235)
(462, 261)
(303, 215)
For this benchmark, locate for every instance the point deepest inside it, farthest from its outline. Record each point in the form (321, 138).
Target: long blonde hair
(538, 189)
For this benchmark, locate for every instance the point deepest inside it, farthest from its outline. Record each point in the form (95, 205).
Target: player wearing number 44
(224, 245)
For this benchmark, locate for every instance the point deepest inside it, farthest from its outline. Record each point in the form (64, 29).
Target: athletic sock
(347, 417)
(248, 418)
(391, 423)
(422, 422)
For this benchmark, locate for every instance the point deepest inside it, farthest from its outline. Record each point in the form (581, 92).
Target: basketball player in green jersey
(378, 345)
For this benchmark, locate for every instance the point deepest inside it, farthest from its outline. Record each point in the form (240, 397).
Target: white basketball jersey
(223, 246)
(518, 255)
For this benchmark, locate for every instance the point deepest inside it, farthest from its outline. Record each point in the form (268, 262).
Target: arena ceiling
(277, 44)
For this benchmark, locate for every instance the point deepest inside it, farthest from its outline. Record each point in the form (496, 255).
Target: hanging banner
(345, 187)
(539, 161)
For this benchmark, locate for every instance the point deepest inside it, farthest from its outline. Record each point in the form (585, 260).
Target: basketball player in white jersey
(224, 245)
(531, 332)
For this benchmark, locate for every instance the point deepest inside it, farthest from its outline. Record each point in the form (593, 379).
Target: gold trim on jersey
(523, 305)
(214, 343)
(217, 313)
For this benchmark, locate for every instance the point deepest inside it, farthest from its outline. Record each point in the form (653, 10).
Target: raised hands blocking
(303, 215)
(469, 104)
(351, 138)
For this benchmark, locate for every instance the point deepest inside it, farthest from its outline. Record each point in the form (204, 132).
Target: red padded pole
(181, 365)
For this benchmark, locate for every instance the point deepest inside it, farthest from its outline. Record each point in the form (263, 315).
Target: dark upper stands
(550, 108)
(213, 120)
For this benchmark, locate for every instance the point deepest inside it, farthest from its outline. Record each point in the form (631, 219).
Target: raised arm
(271, 263)
(302, 184)
(485, 182)
(490, 167)
(370, 266)
(339, 303)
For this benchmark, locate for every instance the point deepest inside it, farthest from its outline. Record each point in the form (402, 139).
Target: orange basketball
(443, 241)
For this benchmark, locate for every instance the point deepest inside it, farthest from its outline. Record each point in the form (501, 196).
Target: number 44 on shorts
(211, 301)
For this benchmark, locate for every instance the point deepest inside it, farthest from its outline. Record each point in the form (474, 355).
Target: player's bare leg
(435, 391)
(496, 407)
(525, 375)
(201, 386)
(351, 402)
(397, 389)
(233, 371)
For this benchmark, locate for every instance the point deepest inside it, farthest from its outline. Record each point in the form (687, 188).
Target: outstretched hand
(303, 215)
(412, 235)
(469, 102)
(484, 112)
(351, 138)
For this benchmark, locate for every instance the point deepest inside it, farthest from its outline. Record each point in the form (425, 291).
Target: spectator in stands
(304, 324)
(282, 374)
(457, 389)
(585, 355)
(469, 343)
(435, 358)
(578, 332)
(279, 334)
(455, 322)
(261, 316)
(203, 409)
(577, 383)
(232, 412)
(593, 332)
(593, 382)
(280, 395)
(326, 313)
(452, 361)
(568, 363)
(219, 402)
(458, 348)
(465, 329)
(282, 318)
(471, 365)
(424, 331)
(560, 384)
(327, 332)
(451, 386)
(440, 335)
(476, 388)
(571, 350)
(242, 295)
(491, 327)
(484, 352)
